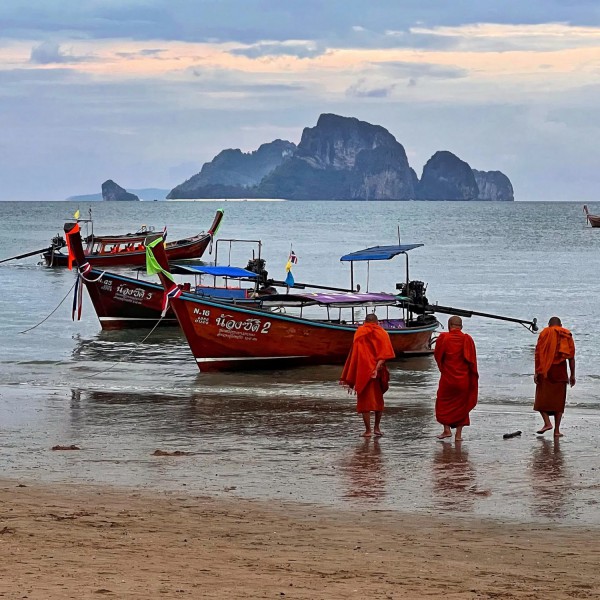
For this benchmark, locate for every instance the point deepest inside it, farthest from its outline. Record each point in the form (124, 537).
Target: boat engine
(257, 265)
(58, 242)
(415, 290)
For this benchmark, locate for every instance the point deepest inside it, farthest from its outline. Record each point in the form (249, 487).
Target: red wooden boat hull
(594, 220)
(182, 251)
(123, 302)
(193, 247)
(224, 337)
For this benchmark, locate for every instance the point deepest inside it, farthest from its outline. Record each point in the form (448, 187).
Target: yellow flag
(76, 215)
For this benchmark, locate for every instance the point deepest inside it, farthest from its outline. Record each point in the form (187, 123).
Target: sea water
(293, 434)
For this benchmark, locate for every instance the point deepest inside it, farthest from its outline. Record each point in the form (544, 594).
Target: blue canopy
(379, 252)
(218, 271)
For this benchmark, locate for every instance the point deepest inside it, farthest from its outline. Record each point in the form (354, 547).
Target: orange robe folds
(371, 344)
(554, 347)
(457, 391)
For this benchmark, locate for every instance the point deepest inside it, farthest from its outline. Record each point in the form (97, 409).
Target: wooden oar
(26, 254)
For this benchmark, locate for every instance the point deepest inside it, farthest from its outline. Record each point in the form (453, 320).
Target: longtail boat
(129, 249)
(126, 302)
(223, 336)
(593, 220)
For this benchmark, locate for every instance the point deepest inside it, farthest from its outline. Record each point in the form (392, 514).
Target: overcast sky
(145, 91)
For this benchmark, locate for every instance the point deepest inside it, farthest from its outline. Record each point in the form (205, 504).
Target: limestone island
(341, 158)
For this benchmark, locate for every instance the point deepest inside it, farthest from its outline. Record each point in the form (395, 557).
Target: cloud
(143, 53)
(361, 89)
(298, 49)
(495, 37)
(415, 70)
(128, 88)
(48, 53)
(337, 22)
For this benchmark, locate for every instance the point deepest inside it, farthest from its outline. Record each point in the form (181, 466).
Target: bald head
(371, 318)
(554, 322)
(454, 322)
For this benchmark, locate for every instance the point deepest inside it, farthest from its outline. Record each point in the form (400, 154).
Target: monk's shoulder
(544, 333)
(441, 339)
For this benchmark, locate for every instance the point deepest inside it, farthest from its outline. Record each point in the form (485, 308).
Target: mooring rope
(59, 304)
(129, 353)
(92, 280)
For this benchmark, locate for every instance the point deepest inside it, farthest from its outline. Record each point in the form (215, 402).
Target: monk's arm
(378, 366)
(438, 351)
(572, 369)
(536, 377)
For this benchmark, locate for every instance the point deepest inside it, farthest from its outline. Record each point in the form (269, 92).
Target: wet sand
(69, 541)
(274, 443)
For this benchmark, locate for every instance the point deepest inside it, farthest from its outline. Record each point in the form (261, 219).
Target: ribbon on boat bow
(153, 267)
(82, 271)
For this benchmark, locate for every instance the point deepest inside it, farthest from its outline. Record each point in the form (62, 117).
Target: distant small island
(341, 158)
(147, 194)
(113, 192)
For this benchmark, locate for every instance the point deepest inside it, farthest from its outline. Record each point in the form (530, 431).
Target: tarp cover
(218, 271)
(379, 252)
(333, 299)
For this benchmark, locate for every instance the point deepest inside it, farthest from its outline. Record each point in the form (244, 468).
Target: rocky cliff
(341, 158)
(115, 193)
(232, 169)
(494, 185)
(446, 177)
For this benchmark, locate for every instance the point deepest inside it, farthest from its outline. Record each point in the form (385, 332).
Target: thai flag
(173, 292)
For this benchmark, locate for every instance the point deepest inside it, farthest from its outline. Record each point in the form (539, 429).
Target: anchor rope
(129, 353)
(92, 280)
(57, 307)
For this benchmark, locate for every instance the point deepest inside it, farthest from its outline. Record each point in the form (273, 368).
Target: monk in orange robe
(365, 371)
(554, 349)
(456, 359)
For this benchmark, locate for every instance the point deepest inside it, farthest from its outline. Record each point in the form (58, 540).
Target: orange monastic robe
(459, 382)
(554, 347)
(371, 344)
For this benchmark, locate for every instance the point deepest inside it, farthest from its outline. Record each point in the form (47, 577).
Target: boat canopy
(218, 271)
(337, 300)
(379, 252)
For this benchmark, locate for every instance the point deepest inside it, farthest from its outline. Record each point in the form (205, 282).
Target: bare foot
(366, 434)
(444, 435)
(558, 434)
(378, 433)
(458, 439)
(544, 429)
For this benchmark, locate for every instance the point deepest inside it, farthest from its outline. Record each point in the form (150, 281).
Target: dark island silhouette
(341, 158)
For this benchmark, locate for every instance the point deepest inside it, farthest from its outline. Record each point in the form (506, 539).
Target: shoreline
(78, 541)
(280, 446)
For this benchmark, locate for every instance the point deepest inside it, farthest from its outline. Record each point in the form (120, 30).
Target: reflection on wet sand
(454, 478)
(134, 344)
(549, 481)
(302, 442)
(365, 472)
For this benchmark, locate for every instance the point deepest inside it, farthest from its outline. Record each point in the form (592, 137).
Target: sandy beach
(71, 541)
